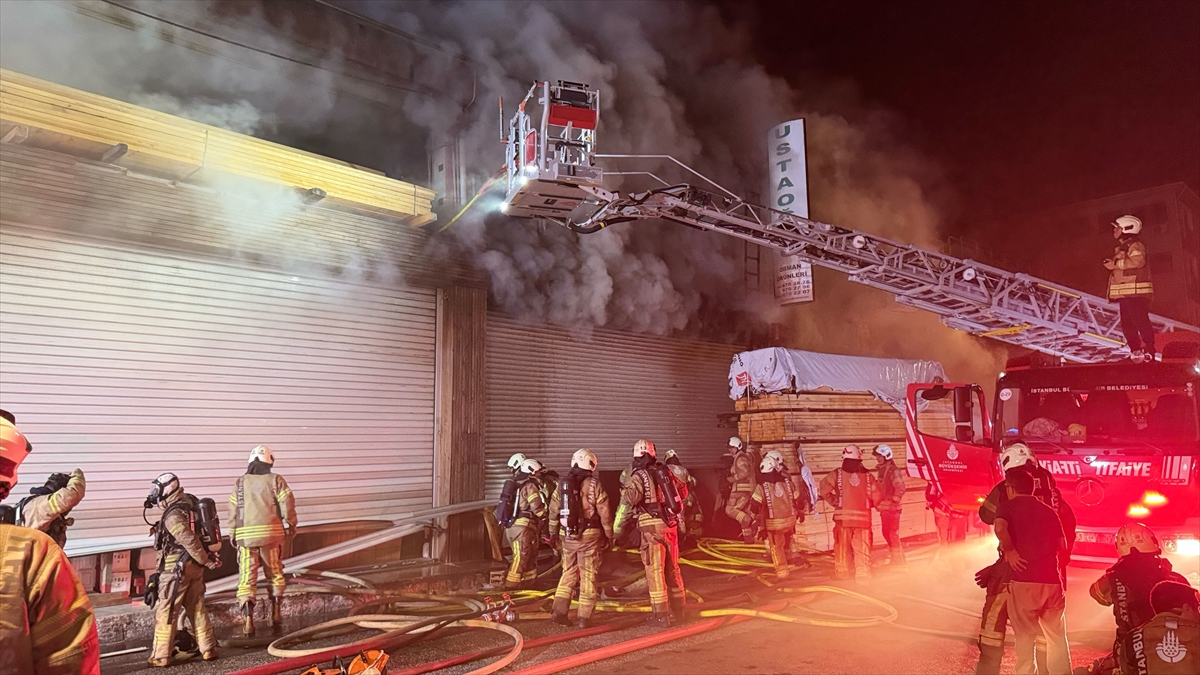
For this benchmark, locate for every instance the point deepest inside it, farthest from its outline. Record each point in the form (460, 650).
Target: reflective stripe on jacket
(1131, 276)
(851, 495)
(258, 508)
(40, 512)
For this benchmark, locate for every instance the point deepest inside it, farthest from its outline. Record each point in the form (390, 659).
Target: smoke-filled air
(675, 78)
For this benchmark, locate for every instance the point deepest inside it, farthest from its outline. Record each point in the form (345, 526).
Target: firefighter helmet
(642, 448)
(1136, 536)
(883, 450)
(852, 452)
(514, 462)
(584, 459)
(14, 448)
(772, 461)
(263, 454)
(736, 443)
(531, 466)
(1128, 224)
(1017, 454)
(778, 457)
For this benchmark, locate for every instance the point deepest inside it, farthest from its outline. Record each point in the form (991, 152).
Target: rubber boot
(676, 605)
(277, 612)
(990, 657)
(248, 618)
(560, 618)
(661, 619)
(158, 663)
(210, 655)
(583, 622)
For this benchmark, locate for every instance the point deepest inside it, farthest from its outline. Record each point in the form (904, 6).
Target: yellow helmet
(1137, 537)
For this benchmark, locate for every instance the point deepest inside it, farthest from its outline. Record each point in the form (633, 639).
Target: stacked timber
(821, 423)
(50, 116)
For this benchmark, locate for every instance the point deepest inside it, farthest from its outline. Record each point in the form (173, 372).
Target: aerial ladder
(552, 175)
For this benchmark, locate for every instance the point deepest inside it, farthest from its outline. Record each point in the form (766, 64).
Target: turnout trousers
(738, 508)
(777, 543)
(992, 627)
(580, 562)
(890, 522)
(182, 593)
(851, 548)
(525, 539)
(660, 556)
(249, 560)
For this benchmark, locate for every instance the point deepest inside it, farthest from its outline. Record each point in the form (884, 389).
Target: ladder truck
(1121, 438)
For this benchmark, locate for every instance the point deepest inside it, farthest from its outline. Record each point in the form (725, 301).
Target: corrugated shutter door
(551, 393)
(127, 363)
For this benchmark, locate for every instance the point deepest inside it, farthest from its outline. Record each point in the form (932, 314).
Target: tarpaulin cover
(776, 370)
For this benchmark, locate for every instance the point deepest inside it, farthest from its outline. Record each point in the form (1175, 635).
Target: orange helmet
(1137, 537)
(14, 448)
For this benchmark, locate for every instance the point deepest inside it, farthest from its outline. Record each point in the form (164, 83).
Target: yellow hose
(890, 612)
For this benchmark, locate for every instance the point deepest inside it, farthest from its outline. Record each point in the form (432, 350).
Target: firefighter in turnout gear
(525, 531)
(852, 492)
(178, 586)
(1126, 585)
(691, 523)
(47, 508)
(262, 515)
(581, 515)
(46, 623)
(775, 500)
(1168, 644)
(646, 499)
(891, 489)
(1130, 286)
(741, 487)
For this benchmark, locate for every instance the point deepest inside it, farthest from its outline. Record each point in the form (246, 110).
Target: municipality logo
(1169, 649)
(952, 453)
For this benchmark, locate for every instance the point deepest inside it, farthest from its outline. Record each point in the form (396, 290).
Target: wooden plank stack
(821, 423)
(50, 116)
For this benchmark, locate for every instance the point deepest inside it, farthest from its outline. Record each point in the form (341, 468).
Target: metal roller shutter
(551, 393)
(126, 363)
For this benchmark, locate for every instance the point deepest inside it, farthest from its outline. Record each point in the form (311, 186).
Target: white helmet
(736, 443)
(584, 459)
(643, 447)
(531, 466)
(263, 454)
(778, 457)
(514, 462)
(883, 450)
(1128, 224)
(1136, 536)
(14, 448)
(772, 461)
(852, 452)
(1017, 454)
(165, 485)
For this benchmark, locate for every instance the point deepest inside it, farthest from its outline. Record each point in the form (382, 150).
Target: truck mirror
(964, 431)
(934, 393)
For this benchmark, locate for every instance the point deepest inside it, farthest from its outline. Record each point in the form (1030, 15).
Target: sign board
(786, 152)
(793, 282)
(789, 168)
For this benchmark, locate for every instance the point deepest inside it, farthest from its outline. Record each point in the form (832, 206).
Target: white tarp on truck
(776, 370)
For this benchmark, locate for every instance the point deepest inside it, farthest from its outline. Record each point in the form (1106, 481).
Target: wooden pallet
(43, 114)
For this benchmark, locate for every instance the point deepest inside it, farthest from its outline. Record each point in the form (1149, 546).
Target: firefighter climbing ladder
(968, 296)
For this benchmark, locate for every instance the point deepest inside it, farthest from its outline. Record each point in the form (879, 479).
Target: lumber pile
(822, 423)
(50, 116)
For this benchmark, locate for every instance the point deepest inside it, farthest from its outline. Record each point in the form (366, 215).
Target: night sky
(1023, 105)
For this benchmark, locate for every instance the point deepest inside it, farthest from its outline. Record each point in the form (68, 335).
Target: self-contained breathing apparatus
(571, 515)
(506, 510)
(202, 517)
(663, 499)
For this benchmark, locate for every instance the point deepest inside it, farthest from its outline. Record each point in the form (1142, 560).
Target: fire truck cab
(1121, 440)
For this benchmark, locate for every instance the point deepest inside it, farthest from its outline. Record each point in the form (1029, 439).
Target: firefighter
(262, 515)
(1130, 286)
(645, 499)
(525, 533)
(691, 524)
(741, 487)
(548, 480)
(584, 518)
(891, 489)
(514, 463)
(47, 508)
(1019, 455)
(852, 492)
(180, 576)
(776, 502)
(47, 625)
(1169, 643)
(1126, 585)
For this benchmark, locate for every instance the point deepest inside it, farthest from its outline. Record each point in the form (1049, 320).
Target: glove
(554, 541)
(214, 561)
(984, 576)
(151, 595)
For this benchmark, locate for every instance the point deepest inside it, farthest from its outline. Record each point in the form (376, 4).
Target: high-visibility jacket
(777, 495)
(259, 506)
(1168, 644)
(1131, 275)
(531, 505)
(891, 486)
(48, 512)
(742, 476)
(597, 510)
(852, 495)
(46, 625)
(641, 496)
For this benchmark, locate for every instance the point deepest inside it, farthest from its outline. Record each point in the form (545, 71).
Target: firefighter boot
(277, 612)
(560, 618)
(584, 622)
(210, 655)
(676, 605)
(661, 619)
(248, 618)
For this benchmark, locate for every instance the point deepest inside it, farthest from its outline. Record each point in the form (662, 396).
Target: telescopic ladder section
(969, 296)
